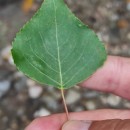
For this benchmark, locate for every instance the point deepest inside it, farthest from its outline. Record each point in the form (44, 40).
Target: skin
(113, 77)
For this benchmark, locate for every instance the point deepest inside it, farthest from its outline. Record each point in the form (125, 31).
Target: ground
(21, 99)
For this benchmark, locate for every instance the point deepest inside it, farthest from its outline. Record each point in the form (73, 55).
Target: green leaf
(56, 48)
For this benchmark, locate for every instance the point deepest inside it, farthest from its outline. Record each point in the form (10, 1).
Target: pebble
(116, 50)
(123, 23)
(72, 96)
(90, 105)
(6, 55)
(125, 49)
(127, 104)
(1, 112)
(4, 87)
(35, 91)
(91, 94)
(114, 17)
(20, 111)
(56, 95)
(99, 34)
(3, 33)
(51, 102)
(5, 119)
(20, 84)
(103, 99)
(14, 125)
(77, 87)
(113, 100)
(31, 82)
(128, 6)
(79, 109)
(42, 112)
(1, 62)
(54, 92)
(18, 75)
(128, 36)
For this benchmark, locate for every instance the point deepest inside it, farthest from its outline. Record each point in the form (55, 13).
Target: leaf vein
(42, 60)
(77, 73)
(76, 61)
(40, 71)
(69, 53)
(44, 45)
(58, 51)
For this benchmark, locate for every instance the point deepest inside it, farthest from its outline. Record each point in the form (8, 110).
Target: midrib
(58, 49)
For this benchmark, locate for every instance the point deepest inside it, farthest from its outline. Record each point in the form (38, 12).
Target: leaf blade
(57, 47)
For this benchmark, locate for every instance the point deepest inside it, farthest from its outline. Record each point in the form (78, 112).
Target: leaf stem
(64, 102)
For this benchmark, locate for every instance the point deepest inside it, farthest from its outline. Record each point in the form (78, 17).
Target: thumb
(114, 124)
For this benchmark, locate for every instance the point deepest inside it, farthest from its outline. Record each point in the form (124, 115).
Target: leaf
(56, 48)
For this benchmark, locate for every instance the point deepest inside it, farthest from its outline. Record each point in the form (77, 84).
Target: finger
(55, 122)
(113, 77)
(114, 124)
(111, 125)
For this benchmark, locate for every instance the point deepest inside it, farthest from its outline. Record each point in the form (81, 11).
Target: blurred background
(21, 99)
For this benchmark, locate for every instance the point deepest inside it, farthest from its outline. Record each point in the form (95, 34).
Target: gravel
(72, 97)
(4, 87)
(22, 100)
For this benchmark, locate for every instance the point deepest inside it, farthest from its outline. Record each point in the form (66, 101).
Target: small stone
(127, 104)
(128, 6)
(20, 111)
(56, 94)
(114, 17)
(1, 62)
(18, 75)
(122, 23)
(79, 109)
(128, 36)
(77, 87)
(4, 87)
(116, 50)
(20, 84)
(31, 82)
(99, 34)
(72, 96)
(35, 91)
(42, 112)
(90, 105)
(3, 33)
(125, 48)
(14, 125)
(24, 118)
(91, 94)
(113, 100)
(103, 99)
(5, 119)
(105, 38)
(1, 112)
(6, 55)
(51, 102)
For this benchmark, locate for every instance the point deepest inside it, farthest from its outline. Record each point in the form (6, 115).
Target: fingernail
(77, 125)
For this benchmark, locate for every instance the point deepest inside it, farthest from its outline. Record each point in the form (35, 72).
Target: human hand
(113, 77)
